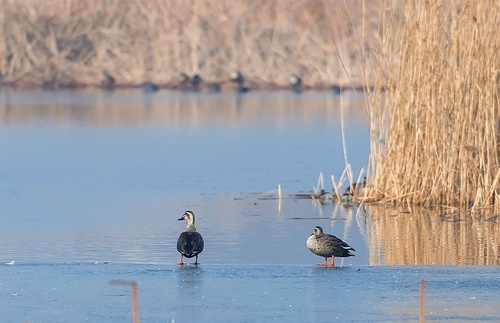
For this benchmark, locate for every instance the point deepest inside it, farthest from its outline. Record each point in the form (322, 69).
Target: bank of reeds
(84, 43)
(436, 136)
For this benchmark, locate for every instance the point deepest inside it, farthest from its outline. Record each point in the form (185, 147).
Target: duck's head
(188, 216)
(318, 232)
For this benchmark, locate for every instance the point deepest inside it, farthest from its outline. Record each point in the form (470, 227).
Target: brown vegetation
(91, 43)
(436, 137)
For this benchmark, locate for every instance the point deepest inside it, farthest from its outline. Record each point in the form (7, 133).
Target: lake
(93, 178)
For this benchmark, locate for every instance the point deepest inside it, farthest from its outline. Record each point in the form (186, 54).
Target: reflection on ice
(419, 236)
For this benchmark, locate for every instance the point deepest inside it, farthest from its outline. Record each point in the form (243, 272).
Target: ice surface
(78, 292)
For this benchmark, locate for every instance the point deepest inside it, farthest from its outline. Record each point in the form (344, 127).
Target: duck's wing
(339, 242)
(197, 242)
(183, 243)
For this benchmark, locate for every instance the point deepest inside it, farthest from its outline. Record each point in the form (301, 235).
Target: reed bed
(86, 43)
(436, 135)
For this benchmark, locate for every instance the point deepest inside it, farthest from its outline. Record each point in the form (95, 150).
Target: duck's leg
(181, 262)
(333, 261)
(196, 261)
(325, 262)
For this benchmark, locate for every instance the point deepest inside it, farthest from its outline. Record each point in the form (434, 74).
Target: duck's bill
(181, 218)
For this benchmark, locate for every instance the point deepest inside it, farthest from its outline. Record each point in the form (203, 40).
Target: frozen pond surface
(88, 176)
(247, 293)
(91, 185)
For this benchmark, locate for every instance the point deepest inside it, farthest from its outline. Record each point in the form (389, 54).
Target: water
(103, 175)
(91, 185)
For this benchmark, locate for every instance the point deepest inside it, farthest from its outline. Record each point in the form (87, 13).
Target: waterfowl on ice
(196, 81)
(326, 245)
(336, 90)
(238, 78)
(188, 83)
(325, 197)
(354, 192)
(295, 83)
(190, 243)
(109, 82)
(149, 87)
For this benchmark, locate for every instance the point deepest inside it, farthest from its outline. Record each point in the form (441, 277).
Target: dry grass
(436, 137)
(75, 43)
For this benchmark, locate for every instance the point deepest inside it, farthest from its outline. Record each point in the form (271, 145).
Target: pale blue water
(91, 185)
(103, 175)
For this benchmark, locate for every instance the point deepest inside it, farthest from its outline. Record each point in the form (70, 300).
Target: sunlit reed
(435, 138)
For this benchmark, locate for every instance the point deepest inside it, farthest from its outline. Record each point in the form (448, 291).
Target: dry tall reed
(72, 43)
(436, 137)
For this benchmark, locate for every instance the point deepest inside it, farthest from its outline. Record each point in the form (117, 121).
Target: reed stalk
(435, 138)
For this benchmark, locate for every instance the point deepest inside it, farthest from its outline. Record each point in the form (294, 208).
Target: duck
(149, 87)
(190, 242)
(238, 78)
(109, 82)
(336, 90)
(196, 81)
(327, 245)
(325, 197)
(188, 83)
(295, 83)
(354, 191)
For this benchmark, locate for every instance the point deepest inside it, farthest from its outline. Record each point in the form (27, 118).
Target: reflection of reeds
(422, 289)
(109, 110)
(436, 138)
(422, 237)
(64, 43)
